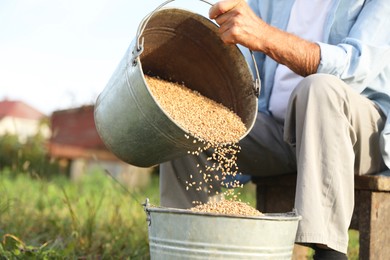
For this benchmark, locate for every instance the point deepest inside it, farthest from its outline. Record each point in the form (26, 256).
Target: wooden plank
(279, 180)
(379, 226)
(363, 182)
(275, 199)
(372, 182)
(374, 223)
(364, 224)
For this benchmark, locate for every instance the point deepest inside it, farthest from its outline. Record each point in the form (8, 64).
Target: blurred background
(56, 54)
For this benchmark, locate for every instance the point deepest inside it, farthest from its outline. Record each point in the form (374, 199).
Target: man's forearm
(301, 56)
(239, 24)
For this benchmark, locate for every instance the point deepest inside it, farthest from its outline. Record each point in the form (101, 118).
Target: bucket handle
(146, 206)
(139, 46)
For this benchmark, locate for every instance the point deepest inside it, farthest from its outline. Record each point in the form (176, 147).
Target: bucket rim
(287, 216)
(210, 24)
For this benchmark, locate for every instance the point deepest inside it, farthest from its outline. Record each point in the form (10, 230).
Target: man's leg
(263, 152)
(175, 177)
(336, 133)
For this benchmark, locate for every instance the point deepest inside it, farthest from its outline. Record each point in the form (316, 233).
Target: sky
(59, 54)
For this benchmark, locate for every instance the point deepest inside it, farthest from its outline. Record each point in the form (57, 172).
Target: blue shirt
(355, 48)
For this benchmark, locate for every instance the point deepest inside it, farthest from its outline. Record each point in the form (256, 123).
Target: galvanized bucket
(180, 46)
(183, 234)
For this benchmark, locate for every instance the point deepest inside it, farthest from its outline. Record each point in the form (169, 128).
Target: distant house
(76, 142)
(19, 118)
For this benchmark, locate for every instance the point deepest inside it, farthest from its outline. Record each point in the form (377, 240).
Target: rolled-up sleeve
(361, 56)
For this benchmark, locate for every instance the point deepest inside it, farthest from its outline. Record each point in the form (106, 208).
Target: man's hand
(240, 25)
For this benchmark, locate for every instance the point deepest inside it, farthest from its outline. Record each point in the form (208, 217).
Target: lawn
(94, 218)
(89, 219)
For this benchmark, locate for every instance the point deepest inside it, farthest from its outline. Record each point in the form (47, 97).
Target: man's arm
(240, 25)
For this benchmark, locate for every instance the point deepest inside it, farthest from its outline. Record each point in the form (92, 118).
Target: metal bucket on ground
(183, 234)
(179, 46)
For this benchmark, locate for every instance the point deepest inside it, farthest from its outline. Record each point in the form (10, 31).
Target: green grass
(94, 218)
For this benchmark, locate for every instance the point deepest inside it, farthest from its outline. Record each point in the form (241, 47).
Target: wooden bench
(371, 215)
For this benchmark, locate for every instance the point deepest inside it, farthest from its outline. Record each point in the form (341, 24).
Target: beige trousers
(330, 133)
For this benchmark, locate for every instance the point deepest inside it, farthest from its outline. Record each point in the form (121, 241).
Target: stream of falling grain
(217, 129)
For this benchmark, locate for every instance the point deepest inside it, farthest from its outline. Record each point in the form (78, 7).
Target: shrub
(26, 157)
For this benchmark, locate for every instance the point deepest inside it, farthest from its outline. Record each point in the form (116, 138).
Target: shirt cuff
(332, 59)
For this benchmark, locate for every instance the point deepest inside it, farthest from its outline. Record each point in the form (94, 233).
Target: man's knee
(320, 86)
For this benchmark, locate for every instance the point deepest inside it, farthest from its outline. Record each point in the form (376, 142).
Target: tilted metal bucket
(180, 46)
(183, 234)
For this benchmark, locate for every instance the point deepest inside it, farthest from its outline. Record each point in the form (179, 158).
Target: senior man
(323, 106)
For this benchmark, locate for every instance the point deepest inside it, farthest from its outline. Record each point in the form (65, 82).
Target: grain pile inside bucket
(227, 207)
(217, 129)
(200, 116)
